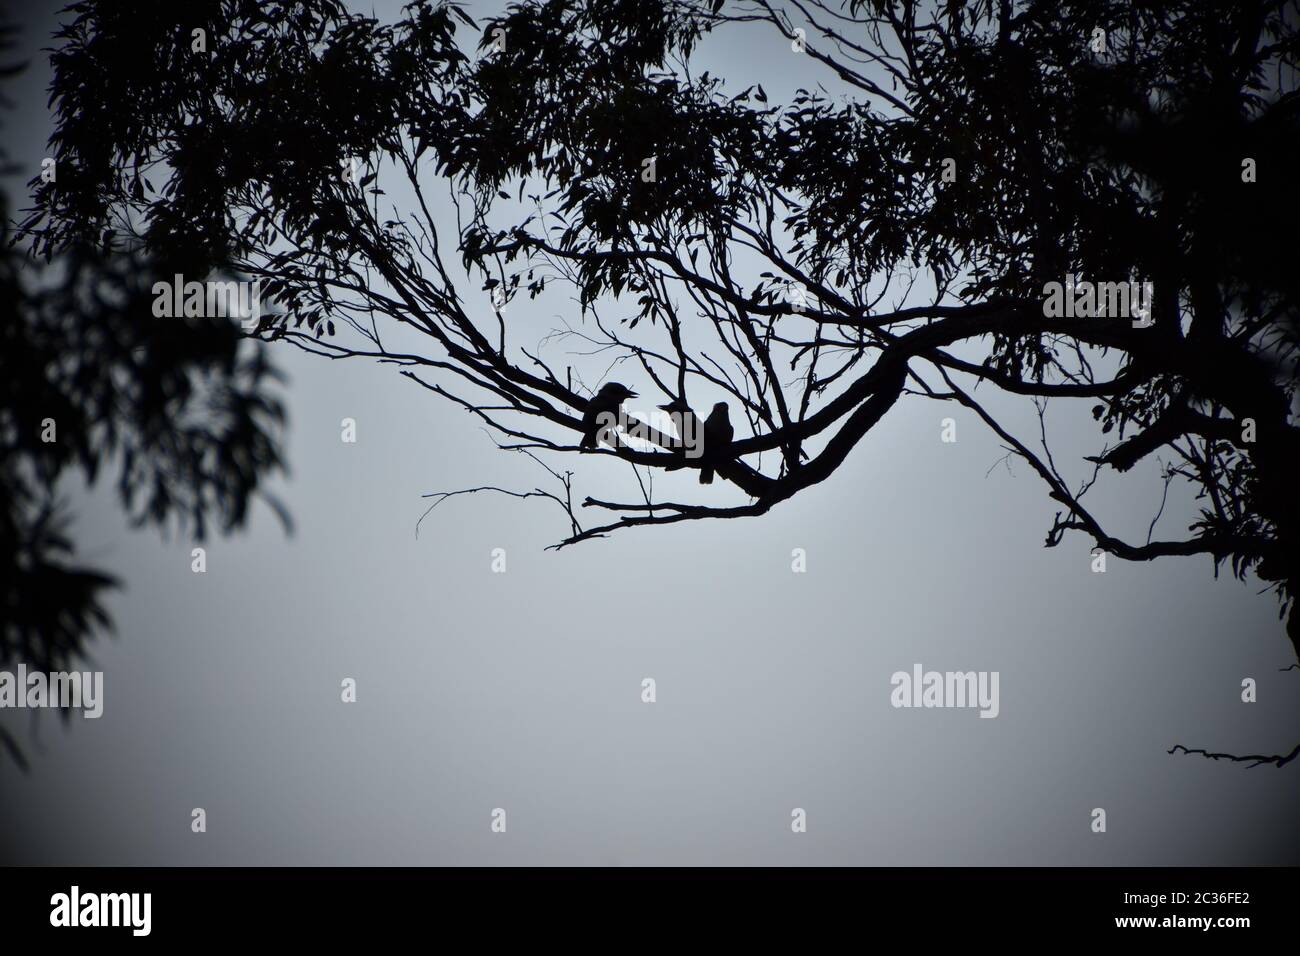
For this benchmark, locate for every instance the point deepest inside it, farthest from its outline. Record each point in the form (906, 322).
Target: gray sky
(523, 690)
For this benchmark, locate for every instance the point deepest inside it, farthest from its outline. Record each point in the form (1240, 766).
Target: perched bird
(604, 403)
(686, 423)
(717, 439)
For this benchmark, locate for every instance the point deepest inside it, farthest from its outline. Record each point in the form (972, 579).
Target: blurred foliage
(182, 409)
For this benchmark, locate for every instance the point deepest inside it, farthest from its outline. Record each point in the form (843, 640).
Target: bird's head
(616, 390)
(720, 409)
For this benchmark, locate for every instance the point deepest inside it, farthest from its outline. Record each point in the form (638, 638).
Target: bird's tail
(706, 476)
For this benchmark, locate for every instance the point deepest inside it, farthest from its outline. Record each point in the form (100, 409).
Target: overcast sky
(522, 690)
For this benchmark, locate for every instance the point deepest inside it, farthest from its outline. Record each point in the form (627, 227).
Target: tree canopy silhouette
(888, 233)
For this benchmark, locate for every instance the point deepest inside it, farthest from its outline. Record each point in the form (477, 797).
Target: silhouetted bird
(717, 439)
(686, 424)
(605, 402)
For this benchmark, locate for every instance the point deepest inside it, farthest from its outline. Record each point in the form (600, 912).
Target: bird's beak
(632, 394)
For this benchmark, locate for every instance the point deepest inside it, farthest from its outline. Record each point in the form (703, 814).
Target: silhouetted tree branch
(1254, 760)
